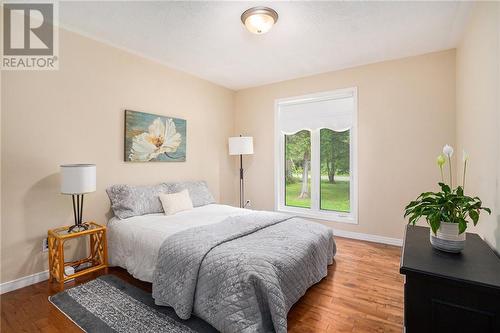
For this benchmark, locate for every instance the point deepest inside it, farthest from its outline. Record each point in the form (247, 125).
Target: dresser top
(476, 264)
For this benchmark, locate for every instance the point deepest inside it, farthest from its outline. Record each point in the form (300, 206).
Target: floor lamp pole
(242, 184)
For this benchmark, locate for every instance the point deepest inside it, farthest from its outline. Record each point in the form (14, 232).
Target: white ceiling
(208, 40)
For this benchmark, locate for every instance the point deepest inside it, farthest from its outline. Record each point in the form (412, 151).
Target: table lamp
(77, 180)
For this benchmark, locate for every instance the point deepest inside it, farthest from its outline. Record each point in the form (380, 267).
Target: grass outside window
(334, 197)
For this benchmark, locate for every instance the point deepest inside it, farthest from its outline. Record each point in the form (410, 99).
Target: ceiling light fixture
(259, 20)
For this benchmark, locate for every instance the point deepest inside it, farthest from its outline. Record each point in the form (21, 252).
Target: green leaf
(460, 191)
(434, 222)
(413, 219)
(462, 225)
(412, 204)
(474, 215)
(445, 188)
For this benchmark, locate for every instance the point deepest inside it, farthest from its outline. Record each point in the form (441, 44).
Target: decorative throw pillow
(128, 200)
(198, 191)
(176, 202)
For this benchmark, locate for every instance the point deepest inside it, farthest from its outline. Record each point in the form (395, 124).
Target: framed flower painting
(154, 138)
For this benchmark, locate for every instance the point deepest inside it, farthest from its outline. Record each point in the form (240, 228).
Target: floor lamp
(241, 145)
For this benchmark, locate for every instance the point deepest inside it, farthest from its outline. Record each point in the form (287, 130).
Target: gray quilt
(245, 273)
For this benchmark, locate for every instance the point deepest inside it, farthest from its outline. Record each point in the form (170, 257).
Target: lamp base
(78, 227)
(78, 214)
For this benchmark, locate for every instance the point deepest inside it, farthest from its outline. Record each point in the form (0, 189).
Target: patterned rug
(109, 304)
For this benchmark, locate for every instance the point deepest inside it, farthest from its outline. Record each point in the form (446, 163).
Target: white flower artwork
(151, 137)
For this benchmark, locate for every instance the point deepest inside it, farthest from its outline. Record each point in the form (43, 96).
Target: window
(316, 155)
(297, 165)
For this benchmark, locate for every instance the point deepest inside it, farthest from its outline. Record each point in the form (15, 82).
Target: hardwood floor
(363, 292)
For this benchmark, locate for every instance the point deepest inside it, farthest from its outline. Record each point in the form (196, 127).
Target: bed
(239, 270)
(134, 242)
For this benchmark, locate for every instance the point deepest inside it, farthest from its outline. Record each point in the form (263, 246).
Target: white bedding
(133, 243)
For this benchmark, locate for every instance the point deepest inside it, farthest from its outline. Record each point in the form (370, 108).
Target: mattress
(133, 243)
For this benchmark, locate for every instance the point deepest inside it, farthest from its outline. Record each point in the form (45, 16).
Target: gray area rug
(109, 304)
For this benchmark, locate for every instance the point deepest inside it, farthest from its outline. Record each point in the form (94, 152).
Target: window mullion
(315, 170)
(281, 171)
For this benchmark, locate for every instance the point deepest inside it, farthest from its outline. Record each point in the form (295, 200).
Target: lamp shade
(78, 178)
(241, 145)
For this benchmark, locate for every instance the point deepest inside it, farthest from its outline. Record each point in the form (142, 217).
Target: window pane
(335, 174)
(298, 169)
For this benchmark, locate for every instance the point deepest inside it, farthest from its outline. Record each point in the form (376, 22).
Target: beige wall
(478, 130)
(406, 112)
(76, 115)
(408, 108)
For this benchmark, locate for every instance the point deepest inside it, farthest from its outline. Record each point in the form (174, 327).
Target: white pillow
(176, 202)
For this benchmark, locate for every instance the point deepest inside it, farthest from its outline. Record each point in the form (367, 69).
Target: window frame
(279, 163)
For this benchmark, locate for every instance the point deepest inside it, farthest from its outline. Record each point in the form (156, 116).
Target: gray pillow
(198, 191)
(128, 200)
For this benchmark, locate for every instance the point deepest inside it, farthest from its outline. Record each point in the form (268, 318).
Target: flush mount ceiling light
(259, 20)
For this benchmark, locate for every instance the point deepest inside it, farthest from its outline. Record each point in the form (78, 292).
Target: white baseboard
(23, 282)
(368, 237)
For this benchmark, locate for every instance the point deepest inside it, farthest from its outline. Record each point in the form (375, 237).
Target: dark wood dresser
(447, 292)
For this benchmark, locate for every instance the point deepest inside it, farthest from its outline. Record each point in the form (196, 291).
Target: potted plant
(448, 211)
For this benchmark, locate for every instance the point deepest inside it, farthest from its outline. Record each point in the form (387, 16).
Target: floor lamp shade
(78, 178)
(241, 145)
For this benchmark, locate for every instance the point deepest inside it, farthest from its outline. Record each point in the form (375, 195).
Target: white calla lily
(448, 151)
(161, 138)
(465, 159)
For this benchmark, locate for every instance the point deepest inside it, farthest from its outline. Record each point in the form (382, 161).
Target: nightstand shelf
(98, 257)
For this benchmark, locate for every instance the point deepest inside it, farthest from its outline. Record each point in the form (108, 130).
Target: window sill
(321, 215)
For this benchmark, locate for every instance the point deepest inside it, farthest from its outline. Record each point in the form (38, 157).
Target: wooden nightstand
(98, 257)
